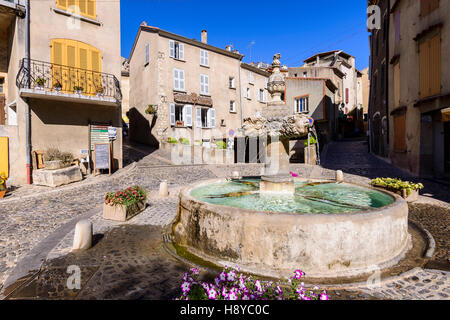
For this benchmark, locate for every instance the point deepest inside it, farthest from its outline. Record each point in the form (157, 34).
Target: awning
(445, 115)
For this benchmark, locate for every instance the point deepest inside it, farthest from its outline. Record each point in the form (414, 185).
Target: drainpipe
(27, 107)
(240, 94)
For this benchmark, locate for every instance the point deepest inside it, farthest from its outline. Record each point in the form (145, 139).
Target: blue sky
(300, 29)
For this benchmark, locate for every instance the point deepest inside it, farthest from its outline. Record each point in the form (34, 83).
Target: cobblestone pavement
(26, 222)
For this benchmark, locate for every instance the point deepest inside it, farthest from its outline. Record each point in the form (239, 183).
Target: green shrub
(53, 154)
(395, 185)
(126, 197)
(221, 145)
(185, 141)
(172, 140)
(312, 140)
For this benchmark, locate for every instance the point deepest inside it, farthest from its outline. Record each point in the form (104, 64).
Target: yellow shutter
(62, 4)
(81, 65)
(4, 156)
(400, 132)
(91, 9)
(424, 68)
(83, 7)
(435, 65)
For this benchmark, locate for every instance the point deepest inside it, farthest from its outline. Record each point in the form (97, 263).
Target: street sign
(231, 133)
(112, 133)
(311, 121)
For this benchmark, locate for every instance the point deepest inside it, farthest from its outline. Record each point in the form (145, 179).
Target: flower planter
(54, 165)
(411, 198)
(122, 213)
(3, 192)
(57, 89)
(100, 95)
(79, 92)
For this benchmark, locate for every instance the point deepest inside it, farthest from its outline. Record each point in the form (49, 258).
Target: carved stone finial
(276, 84)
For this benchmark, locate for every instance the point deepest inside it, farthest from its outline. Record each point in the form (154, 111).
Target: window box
(179, 124)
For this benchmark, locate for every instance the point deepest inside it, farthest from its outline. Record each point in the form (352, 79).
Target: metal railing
(59, 78)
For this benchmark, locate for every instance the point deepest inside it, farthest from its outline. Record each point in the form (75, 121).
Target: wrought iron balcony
(59, 80)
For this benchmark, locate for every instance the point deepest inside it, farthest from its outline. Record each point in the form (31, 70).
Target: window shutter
(206, 58)
(147, 53)
(202, 57)
(206, 80)
(182, 80)
(213, 118)
(61, 4)
(91, 8)
(83, 58)
(435, 65)
(202, 84)
(181, 57)
(176, 81)
(187, 116)
(57, 47)
(172, 114)
(83, 6)
(172, 49)
(198, 112)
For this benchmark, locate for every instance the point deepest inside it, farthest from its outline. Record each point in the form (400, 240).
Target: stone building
(379, 83)
(73, 71)
(125, 86)
(363, 99)
(184, 88)
(419, 86)
(316, 98)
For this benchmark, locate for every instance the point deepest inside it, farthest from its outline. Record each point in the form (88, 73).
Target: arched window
(76, 64)
(85, 8)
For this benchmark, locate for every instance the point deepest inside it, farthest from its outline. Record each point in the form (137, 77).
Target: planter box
(122, 213)
(412, 197)
(56, 178)
(54, 165)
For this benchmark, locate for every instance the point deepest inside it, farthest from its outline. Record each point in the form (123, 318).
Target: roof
(323, 54)
(177, 37)
(255, 69)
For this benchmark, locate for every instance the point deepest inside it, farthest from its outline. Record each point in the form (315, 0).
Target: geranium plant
(395, 185)
(231, 284)
(126, 197)
(78, 88)
(57, 84)
(151, 109)
(40, 82)
(3, 179)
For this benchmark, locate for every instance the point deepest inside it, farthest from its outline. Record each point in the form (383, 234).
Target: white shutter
(187, 115)
(212, 118)
(199, 117)
(202, 57)
(172, 114)
(181, 57)
(206, 82)
(176, 79)
(244, 92)
(206, 58)
(182, 87)
(172, 48)
(265, 96)
(202, 84)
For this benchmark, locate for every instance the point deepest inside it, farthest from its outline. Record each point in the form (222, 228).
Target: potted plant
(57, 86)
(151, 109)
(172, 140)
(78, 89)
(100, 91)
(3, 189)
(123, 205)
(221, 145)
(312, 151)
(184, 141)
(408, 190)
(40, 83)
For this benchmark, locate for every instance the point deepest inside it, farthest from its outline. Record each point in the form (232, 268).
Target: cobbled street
(37, 224)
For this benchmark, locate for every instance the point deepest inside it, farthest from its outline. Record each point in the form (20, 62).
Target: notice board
(99, 134)
(102, 156)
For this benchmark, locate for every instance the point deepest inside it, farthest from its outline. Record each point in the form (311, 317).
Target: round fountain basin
(327, 230)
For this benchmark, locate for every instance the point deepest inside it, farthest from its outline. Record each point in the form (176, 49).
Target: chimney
(205, 36)
(228, 47)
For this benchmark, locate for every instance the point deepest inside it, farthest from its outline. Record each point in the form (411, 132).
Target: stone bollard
(83, 235)
(236, 175)
(339, 176)
(163, 189)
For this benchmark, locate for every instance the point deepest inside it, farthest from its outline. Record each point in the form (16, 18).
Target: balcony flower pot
(40, 83)
(100, 92)
(78, 90)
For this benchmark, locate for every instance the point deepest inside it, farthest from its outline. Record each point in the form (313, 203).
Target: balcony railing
(64, 79)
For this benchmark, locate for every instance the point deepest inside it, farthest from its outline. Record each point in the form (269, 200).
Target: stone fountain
(279, 126)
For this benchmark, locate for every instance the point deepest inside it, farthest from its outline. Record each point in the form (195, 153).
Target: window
(247, 93)
(176, 50)
(261, 95)
(206, 117)
(71, 53)
(2, 81)
(85, 8)
(231, 83)
(232, 106)
(346, 95)
(180, 115)
(400, 132)
(430, 66)
(178, 80)
(204, 58)
(266, 83)
(302, 104)
(428, 6)
(204, 84)
(250, 77)
(147, 53)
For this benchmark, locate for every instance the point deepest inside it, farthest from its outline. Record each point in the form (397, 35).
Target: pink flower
(212, 294)
(293, 174)
(324, 296)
